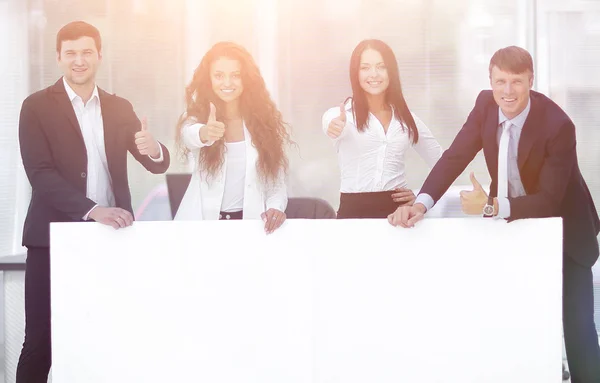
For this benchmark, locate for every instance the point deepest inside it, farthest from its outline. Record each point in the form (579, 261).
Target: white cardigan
(202, 200)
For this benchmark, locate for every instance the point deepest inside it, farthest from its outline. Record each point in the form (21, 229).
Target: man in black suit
(529, 147)
(74, 139)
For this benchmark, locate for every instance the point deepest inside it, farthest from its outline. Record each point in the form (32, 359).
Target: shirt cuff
(192, 136)
(503, 208)
(86, 217)
(277, 205)
(160, 156)
(426, 200)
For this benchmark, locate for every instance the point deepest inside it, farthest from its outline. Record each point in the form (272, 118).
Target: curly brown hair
(262, 118)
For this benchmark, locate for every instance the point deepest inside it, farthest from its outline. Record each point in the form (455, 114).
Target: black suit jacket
(55, 158)
(547, 161)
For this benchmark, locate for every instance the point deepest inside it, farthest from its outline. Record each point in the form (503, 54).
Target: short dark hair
(76, 30)
(512, 59)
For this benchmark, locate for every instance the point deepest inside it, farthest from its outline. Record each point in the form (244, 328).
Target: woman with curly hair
(237, 137)
(372, 131)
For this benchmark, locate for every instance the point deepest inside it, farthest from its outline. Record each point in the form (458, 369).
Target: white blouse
(373, 160)
(204, 200)
(235, 177)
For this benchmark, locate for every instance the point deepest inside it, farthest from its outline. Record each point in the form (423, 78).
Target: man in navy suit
(529, 146)
(74, 139)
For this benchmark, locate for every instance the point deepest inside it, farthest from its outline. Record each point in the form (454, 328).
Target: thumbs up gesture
(213, 130)
(473, 201)
(336, 126)
(145, 141)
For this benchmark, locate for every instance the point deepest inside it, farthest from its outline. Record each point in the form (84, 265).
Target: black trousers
(36, 356)
(231, 215)
(366, 205)
(581, 339)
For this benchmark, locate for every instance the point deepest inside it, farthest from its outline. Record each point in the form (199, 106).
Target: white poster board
(318, 301)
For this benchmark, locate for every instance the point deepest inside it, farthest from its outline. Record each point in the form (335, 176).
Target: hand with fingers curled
(112, 216)
(336, 126)
(406, 216)
(273, 219)
(145, 141)
(213, 130)
(473, 201)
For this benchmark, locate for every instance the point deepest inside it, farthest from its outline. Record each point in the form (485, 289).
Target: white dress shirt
(89, 116)
(507, 160)
(373, 160)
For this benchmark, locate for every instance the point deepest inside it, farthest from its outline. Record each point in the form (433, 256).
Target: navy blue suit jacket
(547, 161)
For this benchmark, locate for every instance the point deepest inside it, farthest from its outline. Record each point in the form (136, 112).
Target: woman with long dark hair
(238, 139)
(371, 131)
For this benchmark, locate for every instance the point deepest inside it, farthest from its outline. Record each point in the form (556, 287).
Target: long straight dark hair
(393, 94)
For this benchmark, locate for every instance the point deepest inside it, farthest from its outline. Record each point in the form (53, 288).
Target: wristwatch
(488, 209)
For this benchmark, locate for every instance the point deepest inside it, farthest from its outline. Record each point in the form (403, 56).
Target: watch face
(488, 210)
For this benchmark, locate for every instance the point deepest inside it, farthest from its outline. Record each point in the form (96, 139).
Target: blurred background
(303, 47)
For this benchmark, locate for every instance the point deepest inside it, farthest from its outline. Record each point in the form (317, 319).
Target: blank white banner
(451, 300)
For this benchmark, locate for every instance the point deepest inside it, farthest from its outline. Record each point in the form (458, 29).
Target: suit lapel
(62, 98)
(529, 133)
(491, 142)
(109, 124)
(526, 141)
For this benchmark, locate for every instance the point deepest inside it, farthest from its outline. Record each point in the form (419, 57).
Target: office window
(443, 50)
(143, 61)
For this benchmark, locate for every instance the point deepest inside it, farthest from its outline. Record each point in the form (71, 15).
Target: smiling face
(79, 60)
(511, 90)
(226, 79)
(373, 75)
